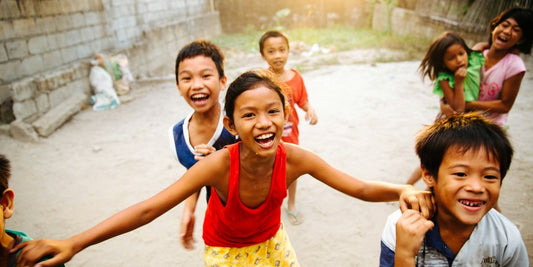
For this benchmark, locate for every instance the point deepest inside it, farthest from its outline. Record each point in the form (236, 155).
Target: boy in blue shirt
(464, 159)
(200, 79)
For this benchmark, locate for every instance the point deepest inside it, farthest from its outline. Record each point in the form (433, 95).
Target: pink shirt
(492, 82)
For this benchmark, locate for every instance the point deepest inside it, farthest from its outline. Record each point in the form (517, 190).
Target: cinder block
(23, 131)
(6, 30)
(37, 45)
(24, 27)
(58, 115)
(42, 103)
(9, 71)
(23, 89)
(17, 49)
(32, 65)
(58, 95)
(3, 53)
(25, 109)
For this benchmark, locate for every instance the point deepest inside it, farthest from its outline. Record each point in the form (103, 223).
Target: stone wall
(46, 45)
(400, 21)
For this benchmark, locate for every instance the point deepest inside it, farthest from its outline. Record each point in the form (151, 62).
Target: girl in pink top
(510, 32)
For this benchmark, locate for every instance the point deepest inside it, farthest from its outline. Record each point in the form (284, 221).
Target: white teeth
(264, 136)
(199, 96)
(471, 203)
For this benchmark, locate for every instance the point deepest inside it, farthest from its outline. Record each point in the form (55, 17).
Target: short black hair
(5, 173)
(469, 131)
(202, 48)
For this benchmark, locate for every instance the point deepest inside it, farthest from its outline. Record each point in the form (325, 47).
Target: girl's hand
(202, 151)
(446, 109)
(32, 251)
(419, 201)
(460, 75)
(481, 46)
(411, 228)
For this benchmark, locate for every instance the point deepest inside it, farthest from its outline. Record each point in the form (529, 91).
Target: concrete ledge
(58, 115)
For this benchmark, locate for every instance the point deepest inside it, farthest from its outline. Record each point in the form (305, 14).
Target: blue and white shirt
(495, 241)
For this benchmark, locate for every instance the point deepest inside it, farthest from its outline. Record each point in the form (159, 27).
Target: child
(510, 32)
(200, 79)
(8, 238)
(248, 184)
(455, 70)
(274, 48)
(464, 160)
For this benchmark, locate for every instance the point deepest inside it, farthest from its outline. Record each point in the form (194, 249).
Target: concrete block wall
(407, 22)
(45, 45)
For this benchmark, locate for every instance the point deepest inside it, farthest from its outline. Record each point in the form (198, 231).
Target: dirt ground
(101, 162)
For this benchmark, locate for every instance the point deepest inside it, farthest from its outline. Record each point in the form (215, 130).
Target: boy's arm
(187, 222)
(301, 161)
(310, 114)
(411, 228)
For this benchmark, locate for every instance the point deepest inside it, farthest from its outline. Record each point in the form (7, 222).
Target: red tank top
(234, 224)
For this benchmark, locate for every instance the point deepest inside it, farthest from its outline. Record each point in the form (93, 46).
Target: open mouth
(502, 39)
(265, 140)
(472, 203)
(199, 98)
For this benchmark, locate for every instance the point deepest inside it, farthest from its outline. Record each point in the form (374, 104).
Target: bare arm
(510, 89)
(124, 221)
(455, 97)
(310, 114)
(301, 161)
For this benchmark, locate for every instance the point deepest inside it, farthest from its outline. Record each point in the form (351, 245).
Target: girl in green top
(454, 68)
(456, 72)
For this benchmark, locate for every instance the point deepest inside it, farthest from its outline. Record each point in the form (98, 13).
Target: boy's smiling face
(276, 53)
(199, 83)
(467, 187)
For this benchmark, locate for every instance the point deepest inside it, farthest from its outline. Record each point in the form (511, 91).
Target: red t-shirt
(296, 95)
(234, 224)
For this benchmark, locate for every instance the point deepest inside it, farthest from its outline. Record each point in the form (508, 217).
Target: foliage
(336, 37)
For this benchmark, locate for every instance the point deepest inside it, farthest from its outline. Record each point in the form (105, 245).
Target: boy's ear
(228, 124)
(7, 202)
(223, 82)
(428, 178)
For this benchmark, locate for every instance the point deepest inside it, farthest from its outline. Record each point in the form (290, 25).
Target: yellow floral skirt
(277, 251)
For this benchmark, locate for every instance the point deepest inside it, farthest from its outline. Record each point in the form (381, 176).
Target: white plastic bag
(104, 96)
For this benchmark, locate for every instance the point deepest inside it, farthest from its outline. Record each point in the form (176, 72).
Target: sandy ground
(101, 162)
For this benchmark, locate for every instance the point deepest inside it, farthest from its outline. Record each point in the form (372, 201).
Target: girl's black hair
(247, 81)
(524, 18)
(433, 62)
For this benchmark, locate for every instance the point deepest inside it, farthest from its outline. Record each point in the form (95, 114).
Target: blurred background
(47, 45)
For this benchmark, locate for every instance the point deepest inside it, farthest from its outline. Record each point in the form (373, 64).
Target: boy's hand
(187, 230)
(410, 231)
(419, 201)
(32, 251)
(310, 116)
(202, 151)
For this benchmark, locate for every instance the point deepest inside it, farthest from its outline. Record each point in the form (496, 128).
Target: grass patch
(337, 37)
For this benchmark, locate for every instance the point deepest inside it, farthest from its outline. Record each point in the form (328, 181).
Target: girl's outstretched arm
(202, 173)
(301, 161)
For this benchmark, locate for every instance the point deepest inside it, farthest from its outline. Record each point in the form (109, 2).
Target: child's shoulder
(14, 233)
